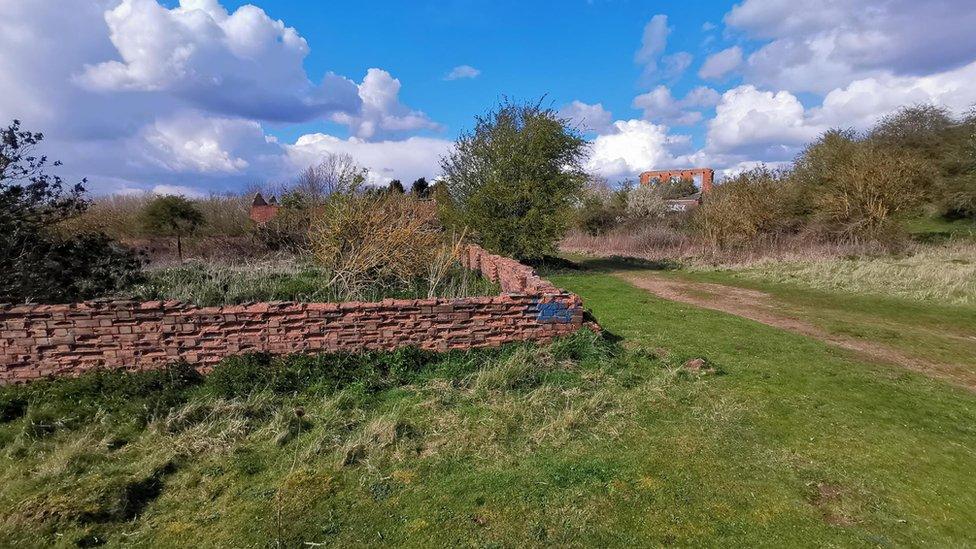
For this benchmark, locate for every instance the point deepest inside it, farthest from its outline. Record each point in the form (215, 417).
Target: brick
(38, 341)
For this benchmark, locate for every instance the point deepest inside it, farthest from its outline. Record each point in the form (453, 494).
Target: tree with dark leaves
(420, 188)
(37, 262)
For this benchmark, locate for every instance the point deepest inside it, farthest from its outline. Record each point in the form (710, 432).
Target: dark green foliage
(172, 216)
(396, 187)
(37, 263)
(514, 179)
(327, 372)
(420, 188)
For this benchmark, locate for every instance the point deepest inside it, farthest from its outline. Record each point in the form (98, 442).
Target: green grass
(208, 283)
(582, 442)
(939, 229)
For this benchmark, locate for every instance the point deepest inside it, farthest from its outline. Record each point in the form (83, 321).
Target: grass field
(584, 442)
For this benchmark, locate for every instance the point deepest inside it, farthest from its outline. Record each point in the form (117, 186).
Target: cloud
(131, 94)
(240, 64)
(192, 143)
(590, 118)
(634, 147)
(773, 125)
(406, 159)
(653, 41)
(719, 64)
(818, 49)
(176, 190)
(675, 65)
(462, 71)
(762, 123)
(382, 113)
(659, 105)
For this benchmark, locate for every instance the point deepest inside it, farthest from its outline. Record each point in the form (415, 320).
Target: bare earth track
(761, 307)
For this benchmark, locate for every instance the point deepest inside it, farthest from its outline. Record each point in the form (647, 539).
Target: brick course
(52, 340)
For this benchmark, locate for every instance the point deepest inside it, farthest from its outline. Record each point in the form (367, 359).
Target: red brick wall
(49, 340)
(263, 214)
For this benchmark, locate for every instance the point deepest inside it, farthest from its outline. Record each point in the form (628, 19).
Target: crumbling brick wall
(51, 340)
(707, 177)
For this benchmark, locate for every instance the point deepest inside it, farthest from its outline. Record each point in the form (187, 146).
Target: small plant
(172, 216)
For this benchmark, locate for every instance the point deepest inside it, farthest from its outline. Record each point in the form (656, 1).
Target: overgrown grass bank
(938, 274)
(335, 448)
(208, 283)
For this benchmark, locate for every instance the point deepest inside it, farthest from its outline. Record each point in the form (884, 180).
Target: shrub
(646, 203)
(854, 188)
(515, 178)
(420, 188)
(601, 208)
(749, 205)
(288, 230)
(869, 190)
(120, 216)
(37, 261)
(369, 240)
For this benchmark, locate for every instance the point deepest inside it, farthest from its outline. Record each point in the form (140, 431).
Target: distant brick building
(683, 204)
(263, 210)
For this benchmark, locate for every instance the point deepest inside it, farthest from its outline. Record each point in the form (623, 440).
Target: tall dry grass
(926, 273)
(119, 216)
(665, 243)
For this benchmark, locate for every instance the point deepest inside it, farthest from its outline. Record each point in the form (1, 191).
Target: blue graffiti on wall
(554, 312)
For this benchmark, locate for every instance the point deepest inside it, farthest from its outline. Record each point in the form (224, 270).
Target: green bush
(39, 263)
(514, 179)
(601, 208)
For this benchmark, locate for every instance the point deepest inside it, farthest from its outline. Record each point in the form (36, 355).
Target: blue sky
(198, 96)
(562, 50)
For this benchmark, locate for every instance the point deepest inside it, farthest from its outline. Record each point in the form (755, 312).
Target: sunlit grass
(936, 273)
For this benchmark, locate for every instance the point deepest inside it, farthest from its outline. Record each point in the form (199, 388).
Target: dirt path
(762, 307)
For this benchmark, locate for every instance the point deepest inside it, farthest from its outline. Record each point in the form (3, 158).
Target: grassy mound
(303, 448)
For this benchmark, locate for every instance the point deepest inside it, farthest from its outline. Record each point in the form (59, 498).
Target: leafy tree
(172, 216)
(396, 187)
(37, 262)
(420, 188)
(515, 178)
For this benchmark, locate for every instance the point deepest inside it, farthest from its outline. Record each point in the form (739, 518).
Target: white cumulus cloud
(382, 113)
(242, 63)
(659, 105)
(588, 118)
(633, 147)
(406, 159)
(828, 44)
